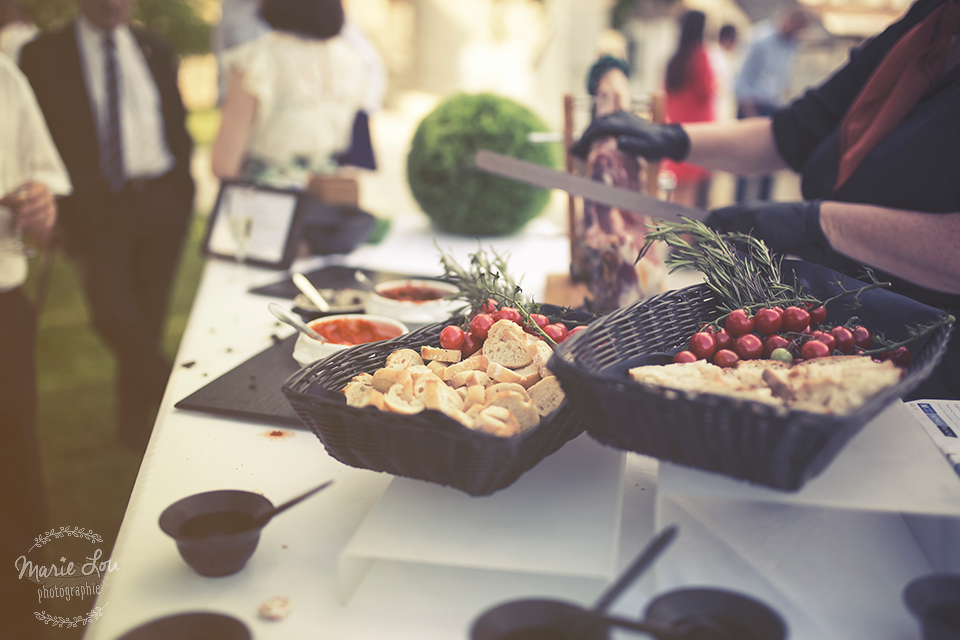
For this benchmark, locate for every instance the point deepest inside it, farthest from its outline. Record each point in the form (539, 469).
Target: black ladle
(641, 564)
(554, 618)
(262, 520)
(643, 561)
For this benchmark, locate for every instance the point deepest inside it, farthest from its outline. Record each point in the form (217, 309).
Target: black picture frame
(275, 246)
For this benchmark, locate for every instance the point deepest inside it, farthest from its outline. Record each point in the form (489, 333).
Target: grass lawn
(88, 475)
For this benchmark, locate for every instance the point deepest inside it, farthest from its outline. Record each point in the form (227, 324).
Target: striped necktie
(111, 154)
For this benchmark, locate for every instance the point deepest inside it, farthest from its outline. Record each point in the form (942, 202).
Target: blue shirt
(767, 68)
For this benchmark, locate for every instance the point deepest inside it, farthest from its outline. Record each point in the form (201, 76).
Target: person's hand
(637, 136)
(785, 227)
(34, 209)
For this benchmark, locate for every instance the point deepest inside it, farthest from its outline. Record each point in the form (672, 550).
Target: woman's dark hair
(320, 19)
(691, 37)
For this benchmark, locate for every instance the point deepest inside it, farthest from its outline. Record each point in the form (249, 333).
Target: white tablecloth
(781, 549)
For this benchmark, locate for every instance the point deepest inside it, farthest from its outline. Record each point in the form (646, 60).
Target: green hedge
(457, 197)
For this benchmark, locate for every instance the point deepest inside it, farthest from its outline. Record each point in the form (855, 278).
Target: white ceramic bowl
(413, 313)
(307, 350)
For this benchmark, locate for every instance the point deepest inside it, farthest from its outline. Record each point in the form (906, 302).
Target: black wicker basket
(752, 441)
(428, 445)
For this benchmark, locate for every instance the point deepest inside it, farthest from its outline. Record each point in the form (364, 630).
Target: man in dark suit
(109, 94)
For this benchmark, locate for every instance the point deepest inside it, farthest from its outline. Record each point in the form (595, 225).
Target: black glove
(785, 227)
(637, 136)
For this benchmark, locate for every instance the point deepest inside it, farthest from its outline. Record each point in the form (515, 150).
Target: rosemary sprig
(486, 278)
(739, 282)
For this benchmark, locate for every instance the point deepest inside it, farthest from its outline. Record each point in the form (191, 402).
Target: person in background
(361, 153)
(609, 83)
(240, 22)
(110, 97)
(877, 147)
(691, 96)
(16, 28)
(31, 174)
(765, 76)
(292, 97)
(722, 60)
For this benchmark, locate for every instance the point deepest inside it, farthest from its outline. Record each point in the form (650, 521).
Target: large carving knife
(540, 176)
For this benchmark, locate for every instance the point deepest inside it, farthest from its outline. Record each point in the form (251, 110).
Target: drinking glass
(239, 211)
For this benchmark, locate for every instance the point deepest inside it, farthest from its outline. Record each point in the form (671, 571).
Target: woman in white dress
(292, 96)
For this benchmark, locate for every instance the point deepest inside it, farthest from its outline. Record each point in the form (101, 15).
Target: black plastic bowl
(190, 626)
(732, 615)
(221, 551)
(533, 620)
(935, 601)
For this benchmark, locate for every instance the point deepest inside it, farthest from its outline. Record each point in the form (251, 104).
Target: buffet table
(378, 557)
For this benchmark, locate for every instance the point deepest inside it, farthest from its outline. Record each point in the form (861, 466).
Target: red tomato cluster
(469, 342)
(794, 331)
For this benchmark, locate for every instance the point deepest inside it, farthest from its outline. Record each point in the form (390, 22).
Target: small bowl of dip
(414, 302)
(343, 331)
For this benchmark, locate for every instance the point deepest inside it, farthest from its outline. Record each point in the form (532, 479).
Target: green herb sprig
(487, 278)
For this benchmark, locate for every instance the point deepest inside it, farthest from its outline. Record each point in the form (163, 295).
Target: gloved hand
(786, 227)
(637, 136)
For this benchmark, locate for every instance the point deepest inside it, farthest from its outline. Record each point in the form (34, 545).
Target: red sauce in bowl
(413, 293)
(351, 331)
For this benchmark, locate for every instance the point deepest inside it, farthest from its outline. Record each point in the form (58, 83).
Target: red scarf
(910, 67)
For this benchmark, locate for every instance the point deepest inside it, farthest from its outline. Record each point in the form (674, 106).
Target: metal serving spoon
(364, 281)
(306, 287)
(285, 316)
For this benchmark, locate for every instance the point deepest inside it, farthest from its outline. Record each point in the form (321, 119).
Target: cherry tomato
(844, 339)
(724, 339)
(795, 319)
(748, 346)
(862, 337)
(563, 329)
(489, 306)
(817, 315)
(684, 356)
(725, 358)
(480, 325)
(814, 349)
(768, 321)
(739, 323)
(825, 338)
(782, 355)
(703, 345)
(557, 332)
(508, 313)
(452, 337)
(576, 330)
(901, 357)
(470, 345)
(773, 342)
(539, 319)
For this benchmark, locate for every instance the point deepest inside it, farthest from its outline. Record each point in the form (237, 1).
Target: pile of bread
(831, 385)
(504, 389)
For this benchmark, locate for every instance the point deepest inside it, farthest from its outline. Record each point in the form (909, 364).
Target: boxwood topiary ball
(459, 198)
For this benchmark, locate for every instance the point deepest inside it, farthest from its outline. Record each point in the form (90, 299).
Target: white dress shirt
(145, 152)
(27, 153)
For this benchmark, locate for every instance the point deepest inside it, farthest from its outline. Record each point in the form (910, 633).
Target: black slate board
(252, 390)
(331, 277)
